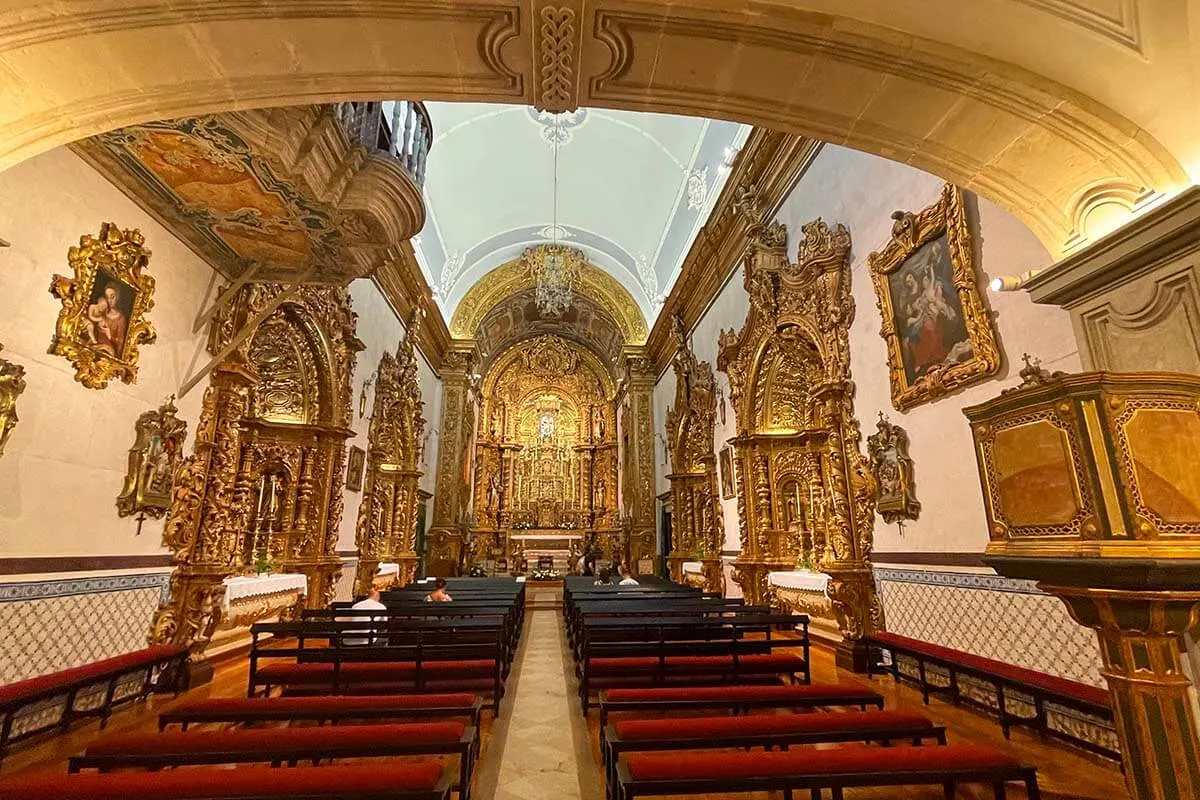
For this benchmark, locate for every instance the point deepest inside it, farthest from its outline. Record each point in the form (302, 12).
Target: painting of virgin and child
(927, 312)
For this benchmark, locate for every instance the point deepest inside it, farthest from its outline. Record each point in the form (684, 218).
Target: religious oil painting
(728, 489)
(938, 331)
(354, 469)
(103, 321)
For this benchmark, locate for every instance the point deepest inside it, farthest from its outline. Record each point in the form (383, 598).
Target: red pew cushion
(364, 739)
(381, 671)
(186, 784)
(802, 693)
(1051, 683)
(850, 759)
(82, 674)
(770, 662)
(766, 724)
(329, 704)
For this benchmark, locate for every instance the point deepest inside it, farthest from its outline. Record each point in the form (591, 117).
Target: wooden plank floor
(1065, 773)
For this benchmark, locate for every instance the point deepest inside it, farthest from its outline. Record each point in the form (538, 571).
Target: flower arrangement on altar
(545, 574)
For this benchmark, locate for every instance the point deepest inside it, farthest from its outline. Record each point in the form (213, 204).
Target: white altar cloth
(693, 568)
(238, 588)
(387, 568)
(800, 579)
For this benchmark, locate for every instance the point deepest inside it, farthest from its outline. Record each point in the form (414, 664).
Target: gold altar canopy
(545, 450)
(264, 486)
(387, 515)
(804, 491)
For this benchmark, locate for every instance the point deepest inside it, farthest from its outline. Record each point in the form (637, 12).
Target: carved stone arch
(804, 494)
(386, 530)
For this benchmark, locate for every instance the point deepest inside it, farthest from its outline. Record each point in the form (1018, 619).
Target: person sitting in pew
(371, 603)
(439, 593)
(605, 577)
(626, 578)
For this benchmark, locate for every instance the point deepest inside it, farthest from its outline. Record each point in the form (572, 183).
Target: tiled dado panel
(55, 624)
(990, 616)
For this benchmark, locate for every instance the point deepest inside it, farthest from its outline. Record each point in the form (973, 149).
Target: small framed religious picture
(938, 331)
(728, 488)
(103, 321)
(355, 464)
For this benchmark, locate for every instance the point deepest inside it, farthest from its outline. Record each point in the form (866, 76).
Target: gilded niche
(12, 384)
(893, 470)
(156, 453)
(103, 322)
(805, 492)
(697, 528)
(938, 331)
(388, 514)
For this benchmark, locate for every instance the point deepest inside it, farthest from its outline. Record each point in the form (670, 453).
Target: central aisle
(541, 739)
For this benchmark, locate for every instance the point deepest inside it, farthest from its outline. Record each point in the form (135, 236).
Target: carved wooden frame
(137, 496)
(909, 233)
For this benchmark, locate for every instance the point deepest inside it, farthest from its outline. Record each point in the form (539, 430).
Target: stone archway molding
(1046, 152)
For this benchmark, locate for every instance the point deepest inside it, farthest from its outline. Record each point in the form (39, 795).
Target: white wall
(65, 462)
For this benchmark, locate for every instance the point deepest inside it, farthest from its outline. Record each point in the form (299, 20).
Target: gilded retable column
(452, 492)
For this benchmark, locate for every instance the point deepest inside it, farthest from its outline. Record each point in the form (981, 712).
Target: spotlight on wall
(1011, 283)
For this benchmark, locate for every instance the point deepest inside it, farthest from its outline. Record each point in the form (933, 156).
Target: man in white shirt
(370, 603)
(626, 578)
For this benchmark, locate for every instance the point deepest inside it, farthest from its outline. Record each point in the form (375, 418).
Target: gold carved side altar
(262, 491)
(805, 494)
(697, 529)
(1091, 487)
(545, 454)
(387, 516)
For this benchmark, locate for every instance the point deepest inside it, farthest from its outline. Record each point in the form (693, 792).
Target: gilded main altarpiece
(805, 492)
(545, 471)
(387, 515)
(697, 528)
(263, 487)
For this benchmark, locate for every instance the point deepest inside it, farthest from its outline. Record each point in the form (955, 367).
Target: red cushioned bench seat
(1084, 697)
(763, 730)
(736, 698)
(283, 746)
(323, 708)
(419, 781)
(101, 684)
(684, 774)
(769, 663)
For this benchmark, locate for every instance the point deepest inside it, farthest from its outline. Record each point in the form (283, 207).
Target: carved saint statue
(600, 493)
(494, 423)
(492, 491)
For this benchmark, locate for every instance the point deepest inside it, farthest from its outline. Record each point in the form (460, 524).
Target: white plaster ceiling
(624, 194)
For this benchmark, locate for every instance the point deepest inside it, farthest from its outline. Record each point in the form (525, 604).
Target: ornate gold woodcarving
(557, 57)
(515, 276)
(103, 322)
(265, 480)
(697, 527)
(893, 470)
(156, 452)
(938, 332)
(444, 544)
(387, 515)
(805, 491)
(12, 383)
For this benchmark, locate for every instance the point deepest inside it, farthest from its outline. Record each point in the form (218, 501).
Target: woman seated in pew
(371, 603)
(626, 578)
(439, 593)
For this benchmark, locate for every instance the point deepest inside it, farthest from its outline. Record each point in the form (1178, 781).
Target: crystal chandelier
(550, 266)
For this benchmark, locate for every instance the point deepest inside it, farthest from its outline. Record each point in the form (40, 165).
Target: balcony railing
(400, 129)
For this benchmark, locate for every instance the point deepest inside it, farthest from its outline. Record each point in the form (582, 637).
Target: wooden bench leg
(1031, 788)
(924, 681)
(948, 791)
(1043, 724)
(999, 791)
(1003, 709)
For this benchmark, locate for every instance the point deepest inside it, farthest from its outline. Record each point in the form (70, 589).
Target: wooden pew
(322, 708)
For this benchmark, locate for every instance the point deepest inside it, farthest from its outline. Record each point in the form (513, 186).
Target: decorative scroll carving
(697, 529)
(103, 322)
(939, 334)
(805, 492)
(12, 383)
(156, 453)
(266, 478)
(557, 54)
(893, 471)
(387, 515)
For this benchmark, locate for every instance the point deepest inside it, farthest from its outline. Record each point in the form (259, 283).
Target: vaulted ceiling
(633, 191)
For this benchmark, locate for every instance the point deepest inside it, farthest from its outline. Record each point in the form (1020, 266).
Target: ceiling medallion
(697, 188)
(558, 129)
(555, 270)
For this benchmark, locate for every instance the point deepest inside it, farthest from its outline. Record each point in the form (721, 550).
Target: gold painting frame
(103, 322)
(12, 384)
(159, 436)
(356, 463)
(948, 339)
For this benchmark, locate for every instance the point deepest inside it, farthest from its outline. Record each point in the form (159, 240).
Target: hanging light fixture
(552, 268)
